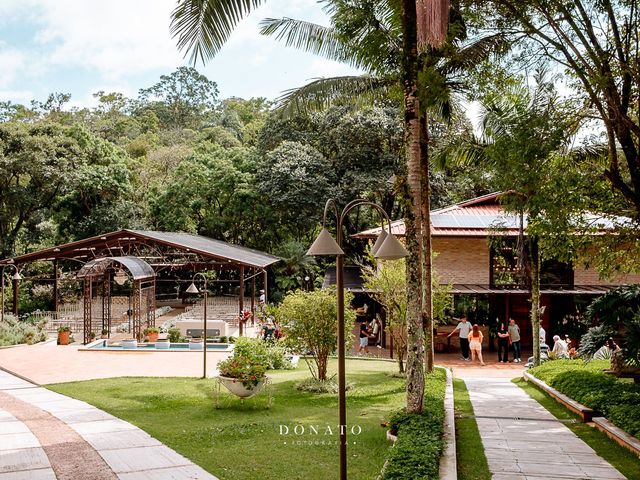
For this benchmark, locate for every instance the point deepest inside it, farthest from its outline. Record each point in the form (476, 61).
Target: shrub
(149, 330)
(174, 335)
(272, 354)
(14, 332)
(416, 453)
(64, 328)
(309, 324)
(587, 384)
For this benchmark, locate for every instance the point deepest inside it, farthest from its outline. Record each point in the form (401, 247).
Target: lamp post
(388, 248)
(16, 276)
(193, 289)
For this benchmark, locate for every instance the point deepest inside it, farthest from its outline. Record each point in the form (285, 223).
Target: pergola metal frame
(158, 251)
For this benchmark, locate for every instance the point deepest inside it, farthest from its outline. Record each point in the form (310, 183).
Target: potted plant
(63, 334)
(163, 344)
(196, 344)
(243, 375)
(104, 334)
(152, 334)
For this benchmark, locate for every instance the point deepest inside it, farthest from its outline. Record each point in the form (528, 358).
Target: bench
(197, 332)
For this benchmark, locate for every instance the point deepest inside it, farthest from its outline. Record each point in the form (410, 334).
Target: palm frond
(310, 37)
(322, 92)
(470, 55)
(203, 26)
(467, 151)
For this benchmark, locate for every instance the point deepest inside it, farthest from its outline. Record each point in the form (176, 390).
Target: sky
(85, 46)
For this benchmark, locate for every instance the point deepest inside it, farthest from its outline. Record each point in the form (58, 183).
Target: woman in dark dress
(503, 343)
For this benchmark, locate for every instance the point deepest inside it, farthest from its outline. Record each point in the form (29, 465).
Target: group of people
(471, 341)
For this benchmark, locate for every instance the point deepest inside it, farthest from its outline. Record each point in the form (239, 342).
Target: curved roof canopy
(139, 269)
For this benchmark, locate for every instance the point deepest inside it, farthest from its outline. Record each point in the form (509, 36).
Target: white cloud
(16, 96)
(11, 62)
(116, 38)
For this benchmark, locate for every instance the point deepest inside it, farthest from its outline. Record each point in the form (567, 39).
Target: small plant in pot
(243, 375)
(64, 332)
(152, 334)
(104, 334)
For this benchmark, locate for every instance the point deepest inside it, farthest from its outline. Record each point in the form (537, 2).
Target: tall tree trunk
(535, 297)
(427, 273)
(413, 215)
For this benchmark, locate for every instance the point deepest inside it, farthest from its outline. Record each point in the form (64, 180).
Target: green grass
(472, 463)
(243, 441)
(621, 458)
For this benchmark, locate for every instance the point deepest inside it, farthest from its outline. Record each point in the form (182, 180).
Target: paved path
(536, 446)
(45, 435)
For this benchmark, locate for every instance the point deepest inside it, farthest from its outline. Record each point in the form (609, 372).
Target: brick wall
(583, 276)
(461, 259)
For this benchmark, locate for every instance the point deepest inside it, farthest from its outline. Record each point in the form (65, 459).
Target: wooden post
(253, 297)
(264, 282)
(87, 309)
(241, 303)
(55, 286)
(16, 296)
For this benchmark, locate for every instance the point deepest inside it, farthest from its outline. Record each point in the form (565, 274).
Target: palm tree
(202, 27)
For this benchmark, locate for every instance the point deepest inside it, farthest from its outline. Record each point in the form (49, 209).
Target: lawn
(240, 441)
(471, 460)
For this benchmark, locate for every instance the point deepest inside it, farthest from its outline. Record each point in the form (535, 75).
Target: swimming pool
(102, 346)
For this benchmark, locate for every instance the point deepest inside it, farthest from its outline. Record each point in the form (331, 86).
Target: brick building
(483, 274)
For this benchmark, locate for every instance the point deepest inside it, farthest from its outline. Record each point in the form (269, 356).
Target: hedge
(616, 399)
(416, 454)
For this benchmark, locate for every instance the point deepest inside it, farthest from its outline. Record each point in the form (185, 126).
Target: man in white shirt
(463, 328)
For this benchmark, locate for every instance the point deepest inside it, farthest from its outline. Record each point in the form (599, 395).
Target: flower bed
(616, 399)
(416, 453)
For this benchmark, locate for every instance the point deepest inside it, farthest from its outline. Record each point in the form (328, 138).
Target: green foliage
(174, 335)
(309, 324)
(616, 399)
(149, 330)
(313, 385)
(14, 332)
(416, 453)
(181, 99)
(618, 315)
(271, 354)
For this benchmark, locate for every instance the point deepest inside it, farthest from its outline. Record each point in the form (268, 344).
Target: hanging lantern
(120, 277)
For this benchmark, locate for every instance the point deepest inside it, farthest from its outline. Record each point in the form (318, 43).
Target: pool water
(101, 345)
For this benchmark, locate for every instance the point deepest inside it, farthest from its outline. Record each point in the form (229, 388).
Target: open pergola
(138, 256)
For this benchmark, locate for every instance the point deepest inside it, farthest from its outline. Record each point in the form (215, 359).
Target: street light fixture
(193, 289)
(389, 248)
(16, 276)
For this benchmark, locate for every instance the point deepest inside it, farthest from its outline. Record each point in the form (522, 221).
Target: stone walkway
(533, 446)
(45, 435)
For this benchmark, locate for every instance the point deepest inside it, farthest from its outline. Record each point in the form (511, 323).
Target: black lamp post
(388, 248)
(193, 289)
(16, 276)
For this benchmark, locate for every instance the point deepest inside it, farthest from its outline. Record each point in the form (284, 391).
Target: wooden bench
(585, 413)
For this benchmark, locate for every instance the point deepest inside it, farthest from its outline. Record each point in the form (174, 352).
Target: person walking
(475, 344)
(364, 338)
(503, 343)
(514, 336)
(463, 329)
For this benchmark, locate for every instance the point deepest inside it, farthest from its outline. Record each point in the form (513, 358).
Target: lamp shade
(192, 288)
(325, 245)
(379, 241)
(391, 249)
(120, 277)
(17, 276)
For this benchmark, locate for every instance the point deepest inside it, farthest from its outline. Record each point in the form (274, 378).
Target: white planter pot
(129, 344)
(163, 345)
(236, 387)
(196, 345)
